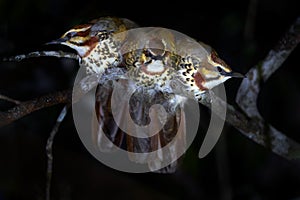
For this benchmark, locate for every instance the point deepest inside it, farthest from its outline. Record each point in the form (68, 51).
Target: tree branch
(49, 148)
(246, 118)
(59, 54)
(25, 108)
(250, 87)
(247, 95)
(5, 98)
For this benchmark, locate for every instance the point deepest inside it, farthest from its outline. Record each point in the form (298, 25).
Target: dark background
(237, 168)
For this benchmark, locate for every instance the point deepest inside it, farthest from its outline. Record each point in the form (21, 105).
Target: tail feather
(148, 150)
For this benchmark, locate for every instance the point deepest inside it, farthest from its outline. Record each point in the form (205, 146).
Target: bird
(162, 66)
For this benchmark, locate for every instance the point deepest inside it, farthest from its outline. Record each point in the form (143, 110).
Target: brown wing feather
(105, 121)
(139, 105)
(172, 136)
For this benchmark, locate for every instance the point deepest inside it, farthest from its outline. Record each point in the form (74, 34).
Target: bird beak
(58, 41)
(235, 75)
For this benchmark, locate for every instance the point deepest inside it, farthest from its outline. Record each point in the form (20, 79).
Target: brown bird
(147, 61)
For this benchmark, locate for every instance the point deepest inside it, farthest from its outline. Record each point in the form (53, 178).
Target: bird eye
(147, 53)
(71, 34)
(221, 71)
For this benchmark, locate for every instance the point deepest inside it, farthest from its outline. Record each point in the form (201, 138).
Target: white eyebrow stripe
(77, 30)
(217, 64)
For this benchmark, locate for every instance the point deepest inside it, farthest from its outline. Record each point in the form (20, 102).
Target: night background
(237, 168)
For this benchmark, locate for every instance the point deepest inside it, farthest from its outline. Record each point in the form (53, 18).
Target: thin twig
(59, 54)
(5, 98)
(25, 108)
(49, 148)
